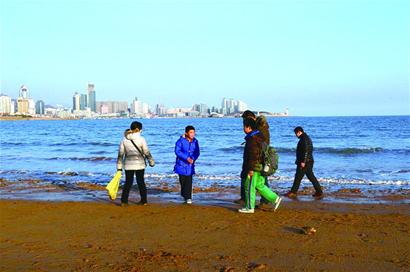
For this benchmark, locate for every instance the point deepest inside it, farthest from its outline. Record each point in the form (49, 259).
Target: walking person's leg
(267, 193)
(300, 172)
(243, 181)
(263, 199)
(139, 174)
(311, 176)
(250, 193)
(129, 178)
(188, 188)
(182, 183)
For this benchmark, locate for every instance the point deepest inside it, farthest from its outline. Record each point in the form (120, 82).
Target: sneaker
(188, 201)
(291, 195)
(142, 203)
(246, 210)
(277, 203)
(318, 195)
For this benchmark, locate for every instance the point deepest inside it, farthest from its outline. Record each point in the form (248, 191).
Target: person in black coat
(304, 162)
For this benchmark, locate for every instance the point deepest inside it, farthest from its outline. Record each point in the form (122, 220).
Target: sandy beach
(102, 236)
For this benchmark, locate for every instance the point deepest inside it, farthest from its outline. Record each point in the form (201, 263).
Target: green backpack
(270, 160)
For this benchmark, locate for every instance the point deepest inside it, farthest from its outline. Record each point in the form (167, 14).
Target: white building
(139, 108)
(31, 107)
(242, 106)
(76, 101)
(5, 105)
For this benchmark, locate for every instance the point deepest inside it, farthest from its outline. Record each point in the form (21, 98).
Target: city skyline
(317, 58)
(87, 106)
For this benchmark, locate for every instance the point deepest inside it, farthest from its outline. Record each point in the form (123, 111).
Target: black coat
(304, 151)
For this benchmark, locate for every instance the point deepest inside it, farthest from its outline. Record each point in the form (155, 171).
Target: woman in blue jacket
(187, 152)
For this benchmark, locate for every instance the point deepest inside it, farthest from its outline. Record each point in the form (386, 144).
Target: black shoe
(318, 195)
(142, 203)
(291, 195)
(264, 206)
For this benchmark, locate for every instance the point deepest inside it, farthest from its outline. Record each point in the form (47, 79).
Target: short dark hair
(248, 114)
(136, 125)
(249, 122)
(297, 129)
(188, 128)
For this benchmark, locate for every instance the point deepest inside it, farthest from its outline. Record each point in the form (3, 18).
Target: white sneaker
(188, 201)
(246, 210)
(277, 203)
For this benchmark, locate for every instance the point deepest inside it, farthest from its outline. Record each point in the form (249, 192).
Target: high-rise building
(22, 106)
(241, 106)
(160, 110)
(92, 102)
(105, 107)
(13, 106)
(23, 93)
(83, 101)
(31, 107)
(40, 107)
(5, 105)
(76, 101)
(136, 106)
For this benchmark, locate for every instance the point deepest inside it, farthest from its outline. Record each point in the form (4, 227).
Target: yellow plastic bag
(112, 186)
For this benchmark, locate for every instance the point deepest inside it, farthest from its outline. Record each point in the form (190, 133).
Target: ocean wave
(105, 144)
(92, 159)
(232, 149)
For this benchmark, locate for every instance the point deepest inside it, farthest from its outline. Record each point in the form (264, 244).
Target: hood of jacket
(132, 135)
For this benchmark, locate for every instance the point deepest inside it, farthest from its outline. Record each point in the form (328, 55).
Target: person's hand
(250, 173)
(191, 161)
(302, 164)
(151, 163)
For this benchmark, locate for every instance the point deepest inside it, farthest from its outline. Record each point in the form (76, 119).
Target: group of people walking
(134, 154)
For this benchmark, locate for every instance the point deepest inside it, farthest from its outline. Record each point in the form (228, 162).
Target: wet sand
(102, 236)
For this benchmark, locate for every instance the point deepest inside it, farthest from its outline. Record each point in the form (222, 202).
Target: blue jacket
(185, 149)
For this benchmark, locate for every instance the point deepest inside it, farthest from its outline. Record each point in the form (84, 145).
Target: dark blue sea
(368, 153)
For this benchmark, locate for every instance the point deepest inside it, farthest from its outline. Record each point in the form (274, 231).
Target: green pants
(257, 182)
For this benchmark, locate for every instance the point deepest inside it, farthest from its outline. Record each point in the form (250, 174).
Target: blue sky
(316, 58)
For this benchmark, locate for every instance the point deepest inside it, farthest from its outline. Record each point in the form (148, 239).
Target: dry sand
(92, 236)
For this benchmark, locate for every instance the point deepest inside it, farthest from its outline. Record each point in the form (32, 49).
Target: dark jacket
(185, 149)
(304, 151)
(252, 154)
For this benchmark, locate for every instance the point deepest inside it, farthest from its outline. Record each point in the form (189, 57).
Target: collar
(251, 134)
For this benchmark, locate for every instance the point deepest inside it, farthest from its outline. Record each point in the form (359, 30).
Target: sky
(316, 58)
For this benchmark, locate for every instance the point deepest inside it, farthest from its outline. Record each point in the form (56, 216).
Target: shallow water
(369, 153)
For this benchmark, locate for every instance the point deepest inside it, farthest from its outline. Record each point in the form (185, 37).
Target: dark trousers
(243, 180)
(300, 173)
(129, 179)
(186, 186)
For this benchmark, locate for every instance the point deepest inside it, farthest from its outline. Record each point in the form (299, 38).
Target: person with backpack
(304, 162)
(252, 167)
(187, 152)
(132, 153)
(263, 127)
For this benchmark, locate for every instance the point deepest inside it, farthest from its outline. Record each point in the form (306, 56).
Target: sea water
(354, 152)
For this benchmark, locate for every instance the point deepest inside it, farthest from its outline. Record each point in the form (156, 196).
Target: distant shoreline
(26, 118)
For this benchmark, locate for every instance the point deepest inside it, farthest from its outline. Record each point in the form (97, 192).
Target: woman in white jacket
(132, 153)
